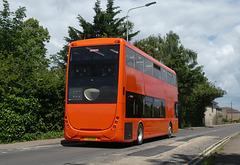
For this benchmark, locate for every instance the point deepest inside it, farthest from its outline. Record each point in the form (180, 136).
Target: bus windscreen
(93, 74)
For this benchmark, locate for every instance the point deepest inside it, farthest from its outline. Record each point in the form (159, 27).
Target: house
(230, 114)
(213, 115)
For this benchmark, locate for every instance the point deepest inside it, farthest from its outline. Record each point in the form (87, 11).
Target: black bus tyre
(139, 134)
(170, 130)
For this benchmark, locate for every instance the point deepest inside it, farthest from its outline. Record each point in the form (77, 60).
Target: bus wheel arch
(170, 130)
(140, 131)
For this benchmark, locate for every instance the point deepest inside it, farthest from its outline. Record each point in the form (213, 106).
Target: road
(180, 149)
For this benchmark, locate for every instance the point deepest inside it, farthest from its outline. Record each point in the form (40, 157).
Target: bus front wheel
(139, 134)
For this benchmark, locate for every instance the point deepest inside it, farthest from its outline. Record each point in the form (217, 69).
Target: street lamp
(146, 5)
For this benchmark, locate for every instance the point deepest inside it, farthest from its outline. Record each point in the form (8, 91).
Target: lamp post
(231, 113)
(146, 5)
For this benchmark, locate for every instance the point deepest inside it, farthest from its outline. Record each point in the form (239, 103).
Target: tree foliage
(105, 24)
(195, 91)
(30, 94)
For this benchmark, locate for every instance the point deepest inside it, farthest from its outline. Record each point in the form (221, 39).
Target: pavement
(30, 144)
(230, 155)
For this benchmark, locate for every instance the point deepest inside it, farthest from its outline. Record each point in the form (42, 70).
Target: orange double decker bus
(117, 93)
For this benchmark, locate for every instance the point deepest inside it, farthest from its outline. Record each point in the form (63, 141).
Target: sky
(211, 28)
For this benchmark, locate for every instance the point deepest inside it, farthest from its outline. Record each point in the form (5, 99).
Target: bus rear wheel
(139, 134)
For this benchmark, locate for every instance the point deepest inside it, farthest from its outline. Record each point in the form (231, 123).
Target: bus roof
(106, 41)
(149, 57)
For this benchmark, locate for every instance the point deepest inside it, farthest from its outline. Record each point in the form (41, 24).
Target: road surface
(183, 147)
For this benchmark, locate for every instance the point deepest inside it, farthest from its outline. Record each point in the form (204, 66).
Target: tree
(195, 91)
(23, 47)
(30, 93)
(105, 24)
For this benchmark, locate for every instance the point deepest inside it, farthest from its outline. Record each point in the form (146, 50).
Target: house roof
(230, 110)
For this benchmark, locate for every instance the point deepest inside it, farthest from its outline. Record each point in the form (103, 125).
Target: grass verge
(209, 160)
(39, 136)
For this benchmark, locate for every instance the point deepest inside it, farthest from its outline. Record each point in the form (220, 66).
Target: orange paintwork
(105, 122)
(79, 118)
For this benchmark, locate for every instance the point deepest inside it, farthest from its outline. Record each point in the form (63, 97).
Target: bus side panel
(154, 87)
(155, 127)
(118, 125)
(175, 125)
(121, 77)
(134, 81)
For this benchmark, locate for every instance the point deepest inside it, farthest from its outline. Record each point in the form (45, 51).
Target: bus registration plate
(90, 139)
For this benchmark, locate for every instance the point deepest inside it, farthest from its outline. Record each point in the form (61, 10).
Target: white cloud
(237, 29)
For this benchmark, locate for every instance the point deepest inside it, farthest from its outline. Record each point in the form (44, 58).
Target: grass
(49, 135)
(209, 160)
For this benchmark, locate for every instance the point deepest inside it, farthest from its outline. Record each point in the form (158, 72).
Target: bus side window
(175, 80)
(134, 105)
(176, 109)
(169, 78)
(139, 105)
(139, 62)
(163, 75)
(156, 107)
(130, 105)
(148, 67)
(148, 107)
(157, 71)
(130, 57)
(162, 109)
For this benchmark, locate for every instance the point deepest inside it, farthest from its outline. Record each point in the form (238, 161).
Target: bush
(18, 117)
(236, 121)
(224, 120)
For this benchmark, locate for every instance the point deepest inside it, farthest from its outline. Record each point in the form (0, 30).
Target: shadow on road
(108, 144)
(177, 159)
(95, 144)
(157, 138)
(227, 159)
